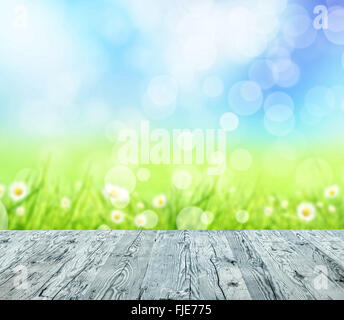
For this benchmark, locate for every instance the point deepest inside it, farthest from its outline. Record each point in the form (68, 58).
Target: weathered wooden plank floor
(172, 265)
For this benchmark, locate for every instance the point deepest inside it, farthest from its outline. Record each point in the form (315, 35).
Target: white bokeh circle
(279, 113)
(207, 217)
(152, 219)
(245, 98)
(182, 179)
(190, 218)
(280, 128)
(229, 121)
(287, 73)
(143, 174)
(278, 98)
(298, 30)
(242, 216)
(335, 30)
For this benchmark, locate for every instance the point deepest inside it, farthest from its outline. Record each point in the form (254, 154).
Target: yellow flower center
(306, 212)
(117, 216)
(18, 191)
(160, 201)
(114, 193)
(332, 192)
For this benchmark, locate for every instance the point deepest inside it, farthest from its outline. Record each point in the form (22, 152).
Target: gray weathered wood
(219, 276)
(185, 264)
(169, 274)
(122, 273)
(263, 274)
(300, 261)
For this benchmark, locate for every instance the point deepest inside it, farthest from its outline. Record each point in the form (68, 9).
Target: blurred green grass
(76, 171)
(90, 209)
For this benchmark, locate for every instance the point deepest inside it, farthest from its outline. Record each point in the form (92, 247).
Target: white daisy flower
(117, 216)
(332, 208)
(140, 205)
(65, 202)
(140, 220)
(306, 211)
(2, 190)
(331, 192)
(268, 211)
(20, 211)
(320, 204)
(284, 204)
(18, 191)
(116, 194)
(159, 201)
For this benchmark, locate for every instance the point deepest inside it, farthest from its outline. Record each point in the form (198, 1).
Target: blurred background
(71, 73)
(268, 72)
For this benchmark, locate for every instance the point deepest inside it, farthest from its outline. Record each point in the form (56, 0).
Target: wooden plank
(339, 234)
(74, 278)
(14, 244)
(46, 258)
(121, 275)
(218, 274)
(170, 273)
(326, 241)
(298, 261)
(327, 254)
(173, 264)
(262, 273)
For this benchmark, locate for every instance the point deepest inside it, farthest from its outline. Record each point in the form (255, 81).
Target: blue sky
(70, 66)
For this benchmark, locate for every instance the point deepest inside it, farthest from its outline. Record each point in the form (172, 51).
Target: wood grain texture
(263, 276)
(120, 276)
(219, 276)
(142, 265)
(169, 273)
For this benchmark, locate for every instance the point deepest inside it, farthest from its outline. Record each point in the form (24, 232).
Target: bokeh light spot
(245, 98)
(335, 30)
(229, 121)
(278, 98)
(242, 216)
(152, 219)
(182, 179)
(207, 217)
(190, 218)
(143, 174)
